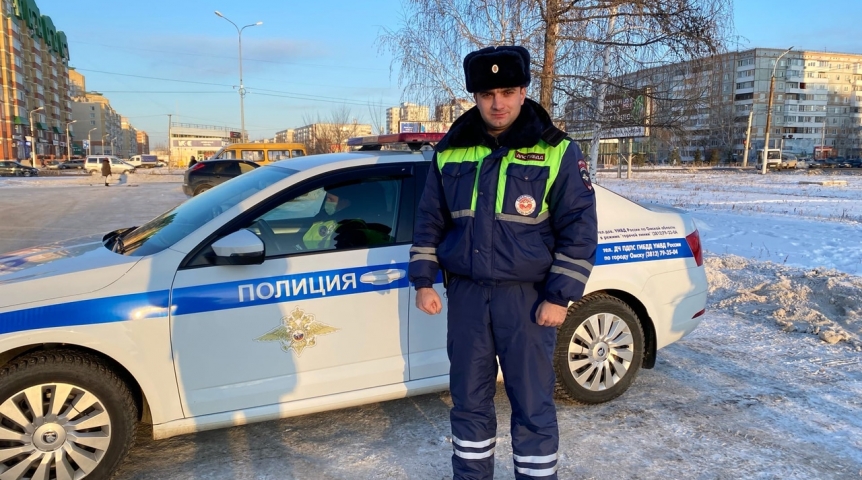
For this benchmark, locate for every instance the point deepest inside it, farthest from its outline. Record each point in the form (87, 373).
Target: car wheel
(91, 172)
(201, 189)
(600, 348)
(66, 413)
(26, 173)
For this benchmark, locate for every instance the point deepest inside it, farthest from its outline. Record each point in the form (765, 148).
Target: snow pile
(819, 301)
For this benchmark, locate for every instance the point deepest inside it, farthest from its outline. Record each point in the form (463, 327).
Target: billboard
(199, 143)
(626, 115)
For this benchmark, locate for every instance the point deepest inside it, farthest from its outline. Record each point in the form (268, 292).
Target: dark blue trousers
(486, 322)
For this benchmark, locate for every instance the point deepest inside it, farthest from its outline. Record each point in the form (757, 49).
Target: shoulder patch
(531, 157)
(585, 174)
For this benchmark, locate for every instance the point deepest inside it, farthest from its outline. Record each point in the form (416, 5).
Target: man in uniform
(508, 212)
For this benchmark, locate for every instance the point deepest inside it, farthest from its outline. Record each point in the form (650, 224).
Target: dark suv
(209, 173)
(8, 167)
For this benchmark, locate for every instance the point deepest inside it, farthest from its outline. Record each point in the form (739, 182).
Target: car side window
(276, 155)
(245, 168)
(297, 153)
(253, 155)
(358, 214)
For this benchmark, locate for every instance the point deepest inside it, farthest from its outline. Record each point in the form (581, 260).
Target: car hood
(61, 269)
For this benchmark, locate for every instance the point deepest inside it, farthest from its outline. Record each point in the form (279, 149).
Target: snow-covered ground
(768, 386)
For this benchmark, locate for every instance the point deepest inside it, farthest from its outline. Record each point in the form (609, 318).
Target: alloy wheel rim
(600, 352)
(52, 431)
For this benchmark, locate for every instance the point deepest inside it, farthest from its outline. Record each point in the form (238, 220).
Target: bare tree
(329, 134)
(583, 50)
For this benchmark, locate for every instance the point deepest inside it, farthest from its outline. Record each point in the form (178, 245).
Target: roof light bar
(395, 138)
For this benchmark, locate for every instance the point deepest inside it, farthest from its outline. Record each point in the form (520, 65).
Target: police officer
(508, 212)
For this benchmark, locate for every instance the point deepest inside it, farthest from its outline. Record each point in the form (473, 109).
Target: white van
(145, 161)
(93, 165)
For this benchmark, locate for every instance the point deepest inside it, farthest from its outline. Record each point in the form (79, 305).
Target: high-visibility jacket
(516, 208)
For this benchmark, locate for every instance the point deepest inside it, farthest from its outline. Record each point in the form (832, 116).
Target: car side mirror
(239, 248)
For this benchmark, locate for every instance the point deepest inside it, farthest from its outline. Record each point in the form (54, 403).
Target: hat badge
(495, 69)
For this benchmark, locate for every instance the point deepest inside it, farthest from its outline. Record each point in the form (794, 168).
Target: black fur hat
(497, 67)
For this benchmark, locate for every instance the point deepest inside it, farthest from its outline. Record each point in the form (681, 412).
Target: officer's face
(500, 107)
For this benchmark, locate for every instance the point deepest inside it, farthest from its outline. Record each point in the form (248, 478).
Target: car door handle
(382, 277)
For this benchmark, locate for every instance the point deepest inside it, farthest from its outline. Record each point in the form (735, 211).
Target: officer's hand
(550, 314)
(428, 301)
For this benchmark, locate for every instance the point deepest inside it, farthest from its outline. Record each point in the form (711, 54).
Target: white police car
(248, 303)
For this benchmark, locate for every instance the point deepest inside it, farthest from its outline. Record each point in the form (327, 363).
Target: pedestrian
(508, 213)
(192, 162)
(106, 169)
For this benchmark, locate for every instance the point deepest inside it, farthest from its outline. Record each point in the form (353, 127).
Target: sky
(309, 59)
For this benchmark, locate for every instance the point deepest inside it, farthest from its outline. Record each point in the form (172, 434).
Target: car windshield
(173, 225)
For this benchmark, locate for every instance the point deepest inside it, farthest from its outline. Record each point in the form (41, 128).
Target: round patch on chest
(525, 205)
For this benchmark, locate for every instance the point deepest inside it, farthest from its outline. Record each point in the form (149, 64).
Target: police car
(250, 303)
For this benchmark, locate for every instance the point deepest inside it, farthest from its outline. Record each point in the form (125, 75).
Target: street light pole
(33, 137)
(769, 115)
(68, 143)
(90, 142)
(241, 86)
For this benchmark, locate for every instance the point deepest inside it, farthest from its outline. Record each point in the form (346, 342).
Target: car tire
(600, 348)
(91, 172)
(201, 189)
(93, 423)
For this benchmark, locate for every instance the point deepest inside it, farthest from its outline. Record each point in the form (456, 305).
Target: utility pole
(170, 162)
(769, 115)
(747, 139)
(68, 142)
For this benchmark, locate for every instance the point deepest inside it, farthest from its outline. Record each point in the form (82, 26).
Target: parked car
(16, 169)
(53, 164)
(74, 164)
(145, 161)
(93, 165)
(218, 313)
(205, 175)
(854, 162)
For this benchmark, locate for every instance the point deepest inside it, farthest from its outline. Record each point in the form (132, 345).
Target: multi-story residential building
(817, 106)
(450, 111)
(128, 139)
(406, 112)
(99, 124)
(143, 142)
(284, 136)
(103, 130)
(329, 137)
(188, 140)
(34, 58)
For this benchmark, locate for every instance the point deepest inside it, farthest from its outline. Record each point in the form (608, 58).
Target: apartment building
(284, 136)
(817, 106)
(34, 58)
(128, 139)
(143, 142)
(449, 111)
(406, 112)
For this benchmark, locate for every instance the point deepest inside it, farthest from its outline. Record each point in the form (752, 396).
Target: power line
(160, 91)
(284, 94)
(232, 58)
